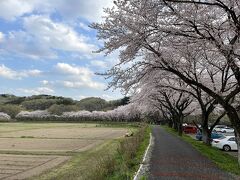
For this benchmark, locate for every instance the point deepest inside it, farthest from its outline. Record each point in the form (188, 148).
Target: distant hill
(57, 104)
(5, 98)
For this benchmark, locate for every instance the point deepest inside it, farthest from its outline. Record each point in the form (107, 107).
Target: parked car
(190, 129)
(227, 143)
(213, 136)
(227, 130)
(218, 128)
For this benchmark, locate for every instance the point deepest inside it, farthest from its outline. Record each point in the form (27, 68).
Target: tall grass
(125, 161)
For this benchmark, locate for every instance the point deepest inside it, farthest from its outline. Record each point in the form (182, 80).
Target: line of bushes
(127, 113)
(69, 119)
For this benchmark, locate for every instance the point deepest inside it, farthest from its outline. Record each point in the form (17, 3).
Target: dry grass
(51, 137)
(82, 141)
(116, 159)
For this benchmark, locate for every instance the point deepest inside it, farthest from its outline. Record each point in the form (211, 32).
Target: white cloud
(84, 26)
(56, 35)
(91, 10)
(36, 91)
(10, 9)
(41, 38)
(81, 97)
(1, 37)
(33, 72)
(24, 44)
(106, 63)
(11, 74)
(79, 77)
(108, 97)
(69, 69)
(44, 82)
(90, 84)
(100, 64)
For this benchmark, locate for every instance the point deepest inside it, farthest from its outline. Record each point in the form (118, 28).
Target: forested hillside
(12, 105)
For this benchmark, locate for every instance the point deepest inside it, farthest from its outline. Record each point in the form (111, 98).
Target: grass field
(28, 149)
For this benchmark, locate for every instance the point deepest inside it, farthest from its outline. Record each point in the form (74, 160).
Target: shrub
(61, 108)
(42, 115)
(4, 117)
(11, 110)
(123, 163)
(38, 104)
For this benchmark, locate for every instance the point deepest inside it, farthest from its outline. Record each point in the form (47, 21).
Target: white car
(227, 130)
(227, 143)
(218, 128)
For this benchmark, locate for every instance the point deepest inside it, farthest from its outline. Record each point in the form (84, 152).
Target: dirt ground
(14, 167)
(58, 139)
(45, 145)
(68, 132)
(53, 138)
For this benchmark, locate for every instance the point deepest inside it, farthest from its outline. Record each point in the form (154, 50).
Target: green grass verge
(115, 159)
(128, 161)
(223, 160)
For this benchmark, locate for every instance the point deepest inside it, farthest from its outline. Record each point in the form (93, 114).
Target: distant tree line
(12, 105)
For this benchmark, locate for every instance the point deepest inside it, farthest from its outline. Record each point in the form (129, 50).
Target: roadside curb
(141, 171)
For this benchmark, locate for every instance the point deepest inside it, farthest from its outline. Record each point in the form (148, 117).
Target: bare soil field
(45, 145)
(24, 166)
(68, 132)
(13, 127)
(30, 138)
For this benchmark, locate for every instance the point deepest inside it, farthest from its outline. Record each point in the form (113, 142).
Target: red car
(190, 129)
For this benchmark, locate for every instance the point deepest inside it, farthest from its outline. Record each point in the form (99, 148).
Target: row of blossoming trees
(176, 55)
(127, 113)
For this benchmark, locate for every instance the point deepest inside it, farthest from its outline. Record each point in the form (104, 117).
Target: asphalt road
(174, 159)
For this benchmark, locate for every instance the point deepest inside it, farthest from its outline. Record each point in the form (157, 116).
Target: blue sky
(46, 48)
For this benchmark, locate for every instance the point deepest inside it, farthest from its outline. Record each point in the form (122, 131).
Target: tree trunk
(238, 145)
(170, 123)
(175, 126)
(206, 136)
(180, 122)
(180, 129)
(235, 120)
(206, 133)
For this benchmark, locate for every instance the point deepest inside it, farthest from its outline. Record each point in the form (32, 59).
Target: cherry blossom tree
(164, 34)
(173, 104)
(4, 116)
(36, 114)
(128, 113)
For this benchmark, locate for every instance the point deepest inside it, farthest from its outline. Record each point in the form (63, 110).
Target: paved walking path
(174, 159)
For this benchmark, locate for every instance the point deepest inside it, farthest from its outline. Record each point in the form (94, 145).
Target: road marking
(144, 158)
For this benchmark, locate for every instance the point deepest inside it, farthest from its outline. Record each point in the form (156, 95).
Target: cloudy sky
(46, 48)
